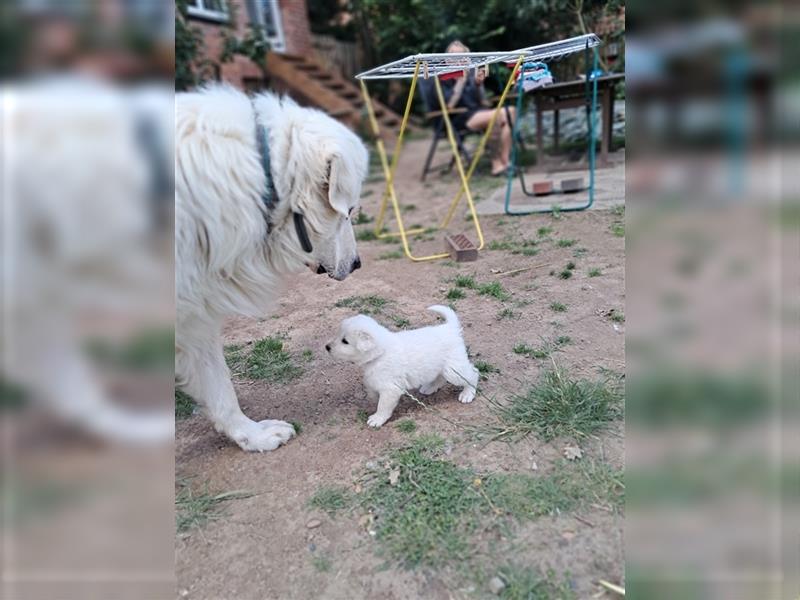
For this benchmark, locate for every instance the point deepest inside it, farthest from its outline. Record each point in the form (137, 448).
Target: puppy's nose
(328, 347)
(356, 264)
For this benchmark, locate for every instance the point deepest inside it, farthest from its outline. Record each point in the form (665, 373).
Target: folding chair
(433, 114)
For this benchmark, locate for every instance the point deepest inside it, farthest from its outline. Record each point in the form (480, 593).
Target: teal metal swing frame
(591, 81)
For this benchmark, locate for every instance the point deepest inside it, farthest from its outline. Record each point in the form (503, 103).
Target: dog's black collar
(270, 195)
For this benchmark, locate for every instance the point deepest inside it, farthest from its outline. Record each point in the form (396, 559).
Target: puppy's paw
(467, 395)
(376, 420)
(429, 388)
(263, 436)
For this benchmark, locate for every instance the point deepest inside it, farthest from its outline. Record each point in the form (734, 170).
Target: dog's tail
(450, 317)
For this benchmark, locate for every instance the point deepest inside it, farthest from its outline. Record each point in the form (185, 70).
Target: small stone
(313, 523)
(312, 547)
(371, 465)
(394, 476)
(497, 585)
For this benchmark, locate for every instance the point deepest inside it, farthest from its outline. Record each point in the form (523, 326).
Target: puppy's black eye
(344, 341)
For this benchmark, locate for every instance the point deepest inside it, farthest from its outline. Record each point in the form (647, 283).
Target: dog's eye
(344, 341)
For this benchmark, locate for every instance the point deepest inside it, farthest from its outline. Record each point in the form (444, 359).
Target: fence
(336, 55)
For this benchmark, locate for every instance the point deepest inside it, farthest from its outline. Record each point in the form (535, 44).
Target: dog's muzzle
(356, 264)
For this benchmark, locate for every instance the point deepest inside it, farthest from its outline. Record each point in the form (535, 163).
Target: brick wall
(241, 72)
(296, 30)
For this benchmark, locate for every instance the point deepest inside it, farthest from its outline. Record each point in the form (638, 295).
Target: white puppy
(396, 362)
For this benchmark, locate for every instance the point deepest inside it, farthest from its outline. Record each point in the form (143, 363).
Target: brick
(460, 247)
(570, 186)
(542, 188)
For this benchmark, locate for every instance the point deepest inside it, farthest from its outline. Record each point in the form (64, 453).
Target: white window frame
(277, 42)
(202, 12)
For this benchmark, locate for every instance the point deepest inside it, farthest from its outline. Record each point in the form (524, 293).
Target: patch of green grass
(406, 426)
(544, 231)
(562, 340)
(401, 322)
(570, 266)
(184, 405)
(298, 426)
(565, 243)
(495, 290)
(555, 212)
(395, 254)
(362, 416)
(595, 272)
(544, 351)
(507, 313)
(559, 405)
(485, 369)
(366, 235)
(558, 307)
(269, 360)
(307, 355)
(150, 350)
(194, 507)
(369, 305)
(616, 315)
(525, 583)
(618, 229)
(455, 294)
(425, 517)
(331, 499)
(580, 252)
(465, 281)
(363, 218)
(564, 489)
(565, 274)
(321, 563)
(501, 245)
(409, 207)
(524, 247)
(429, 512)
(618, 210)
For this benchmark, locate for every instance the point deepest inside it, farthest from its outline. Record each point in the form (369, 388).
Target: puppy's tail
(448, 313)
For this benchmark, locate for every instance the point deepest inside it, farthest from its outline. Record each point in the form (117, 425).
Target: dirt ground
(261, 547)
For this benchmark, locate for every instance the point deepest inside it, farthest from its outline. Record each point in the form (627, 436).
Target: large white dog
(263, 189)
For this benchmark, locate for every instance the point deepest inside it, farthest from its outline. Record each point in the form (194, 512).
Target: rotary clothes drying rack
(444, 66)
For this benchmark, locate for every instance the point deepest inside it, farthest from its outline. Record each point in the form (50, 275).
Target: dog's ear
(364, 341)
(335, 187)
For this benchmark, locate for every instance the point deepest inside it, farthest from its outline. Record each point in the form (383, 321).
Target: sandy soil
(261, 547)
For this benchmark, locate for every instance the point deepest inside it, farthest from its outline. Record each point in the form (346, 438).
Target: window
(267, 15)
(215, 10)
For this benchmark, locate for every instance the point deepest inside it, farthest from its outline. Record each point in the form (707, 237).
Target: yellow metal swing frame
(390, 194)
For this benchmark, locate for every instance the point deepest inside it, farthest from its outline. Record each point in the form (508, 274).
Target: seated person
(467, 92)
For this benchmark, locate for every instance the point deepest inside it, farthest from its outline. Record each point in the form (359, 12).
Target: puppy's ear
(364, 341)
(335, 186)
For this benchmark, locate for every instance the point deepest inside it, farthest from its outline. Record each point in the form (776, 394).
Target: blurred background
(87, 330)
(712, 449)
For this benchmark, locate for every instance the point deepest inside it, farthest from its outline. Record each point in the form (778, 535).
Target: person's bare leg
(479, 122)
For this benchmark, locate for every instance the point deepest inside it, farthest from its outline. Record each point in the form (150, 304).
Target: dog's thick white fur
(227, 261)
(396, 362)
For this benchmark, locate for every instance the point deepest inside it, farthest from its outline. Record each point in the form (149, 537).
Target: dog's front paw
(376, 420)
(263, 436)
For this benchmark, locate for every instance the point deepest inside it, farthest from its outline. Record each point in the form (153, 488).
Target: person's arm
(458, 89)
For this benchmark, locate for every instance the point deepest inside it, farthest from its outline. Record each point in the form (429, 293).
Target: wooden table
(571, 94)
